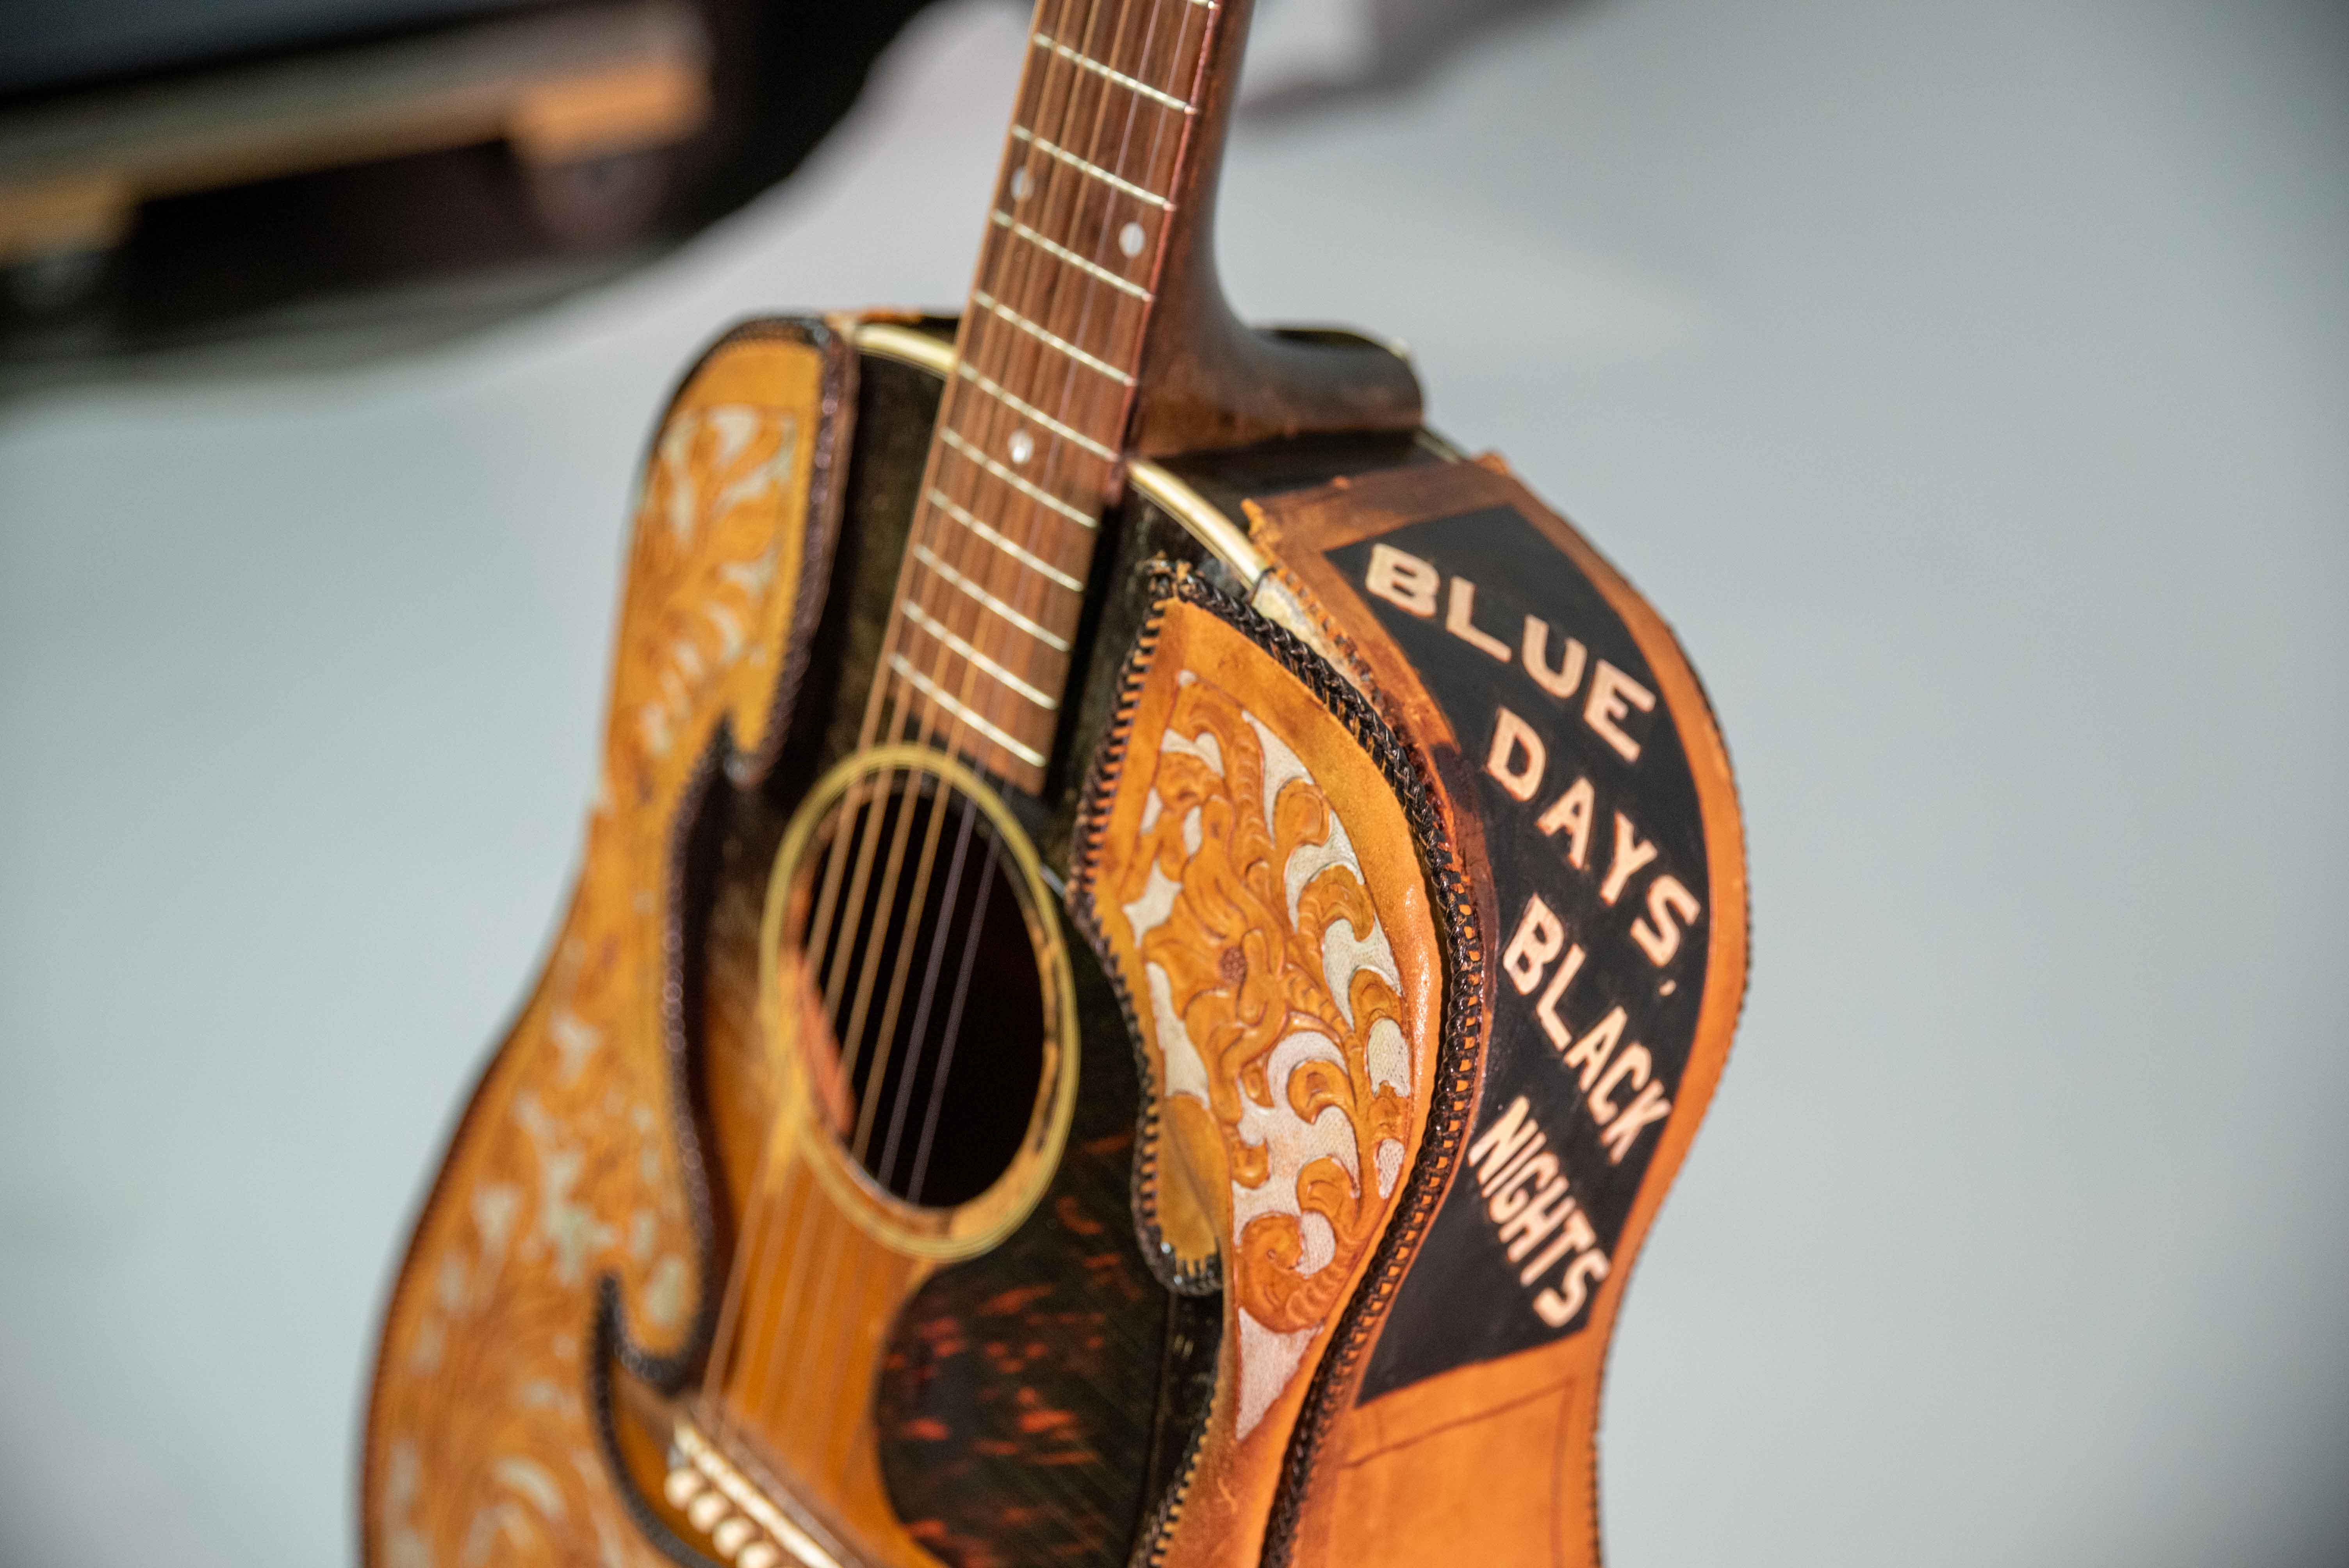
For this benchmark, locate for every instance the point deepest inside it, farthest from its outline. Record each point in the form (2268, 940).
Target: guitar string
(944, 1066)
(888, 1034)
(1054, 313)
(1108, 219)
(782, 1208)
(931, 1120)
(997, 348)
(964, 548)
(1031, 266)
(884, 1167)
(854, 1327)
(1091, 291)
(959, 550)
(771, 1186)
(1051, 312)
(866, 814)
(858, 808)
(755, 1256)
(884, 687)
(952, 414)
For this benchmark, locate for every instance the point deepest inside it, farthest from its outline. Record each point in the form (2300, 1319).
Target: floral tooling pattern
(480, 1446)
(1274, 1001)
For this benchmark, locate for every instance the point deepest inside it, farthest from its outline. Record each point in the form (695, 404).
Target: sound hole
(921, 989)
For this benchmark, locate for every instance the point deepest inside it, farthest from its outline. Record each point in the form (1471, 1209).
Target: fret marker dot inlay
(1129, 239)
(1020, 184)
(1023, 445)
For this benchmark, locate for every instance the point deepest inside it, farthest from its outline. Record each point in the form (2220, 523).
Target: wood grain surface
(566, 1165)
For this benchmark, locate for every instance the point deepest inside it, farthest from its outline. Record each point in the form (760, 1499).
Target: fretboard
(1027, 448)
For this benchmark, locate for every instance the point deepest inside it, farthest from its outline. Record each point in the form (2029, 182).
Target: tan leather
(563, 1169)
(1496, 1462)
(1254, 883)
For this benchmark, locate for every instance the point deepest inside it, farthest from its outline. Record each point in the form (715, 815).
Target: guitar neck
(1027, 452)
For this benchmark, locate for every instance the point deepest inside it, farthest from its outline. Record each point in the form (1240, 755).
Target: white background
(1967, 382)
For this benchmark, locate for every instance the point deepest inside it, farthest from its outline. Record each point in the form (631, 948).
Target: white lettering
(1513, 735)
(1403, 580)
(1586, 1270)
(1591, 1052)
(1533, 1147)
(1512, 1194)
(1666, 897)
(1458, 621)
(1571, 812)
(1630, 854)
(1503, 1138)
(1650, 1106)
(1613, 695)
(1540, 933)
(1559, 682)
(1527, 1197)
(1632, 1063)
(1546, 1010)
(1576, 1235)
(1532, 1225)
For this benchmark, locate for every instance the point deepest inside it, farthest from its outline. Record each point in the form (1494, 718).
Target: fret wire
(1045, 313)
(1052, 150)
(946, 634)
(1087, 62)
(1036, 298)
(1033, 561)
(1184, 53)
(1071, 316)
(1051, 338)
(1003, 272)
(937, 693)
(1046, 319)
(1055, 248)
(1036, 105)
(953, 578)
(1026, 295)
(1014, 288)
(1039, 93)
(1013, 400)
(953, 438)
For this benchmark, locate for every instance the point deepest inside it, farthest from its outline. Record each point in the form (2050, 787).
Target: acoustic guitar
(1150, 939)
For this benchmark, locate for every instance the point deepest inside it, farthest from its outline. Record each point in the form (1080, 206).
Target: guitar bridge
(744, 1524)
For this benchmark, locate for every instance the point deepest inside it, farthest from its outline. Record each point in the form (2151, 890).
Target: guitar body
(1149, 943)
(561, 1280)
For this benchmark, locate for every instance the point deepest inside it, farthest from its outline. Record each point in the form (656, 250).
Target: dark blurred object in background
(342, 176)
(178, 171)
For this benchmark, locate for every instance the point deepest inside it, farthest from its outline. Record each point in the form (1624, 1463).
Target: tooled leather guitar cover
(1589, 795)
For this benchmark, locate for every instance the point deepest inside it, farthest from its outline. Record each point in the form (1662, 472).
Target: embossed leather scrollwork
(572, 1164)
(1247, 871)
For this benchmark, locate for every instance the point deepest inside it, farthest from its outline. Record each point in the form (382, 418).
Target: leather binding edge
(834, 415)
(1460, 1037)
(1296, 549)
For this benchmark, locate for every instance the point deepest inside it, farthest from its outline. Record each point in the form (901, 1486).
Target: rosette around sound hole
(912, 960)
